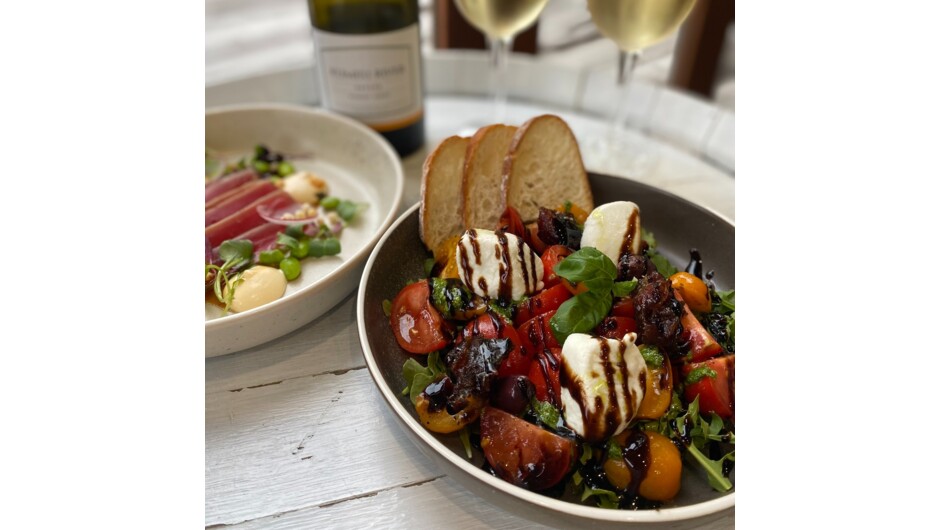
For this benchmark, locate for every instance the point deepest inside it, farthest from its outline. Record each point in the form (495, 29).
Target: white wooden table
(296, 434)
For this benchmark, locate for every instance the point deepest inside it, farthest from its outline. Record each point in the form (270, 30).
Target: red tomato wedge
(551, 257)
(493, 326)
(548, 300)
(511, 223)
(522, 453)
(536, 334)
(544, 372)
(623, 307)
(701, 343)
(615, 327)
(532, 238)
(715, 394)
(417, 325)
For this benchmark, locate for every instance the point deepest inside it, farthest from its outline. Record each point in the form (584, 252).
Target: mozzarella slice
(613, 229)
(498, 265)
(603, 382)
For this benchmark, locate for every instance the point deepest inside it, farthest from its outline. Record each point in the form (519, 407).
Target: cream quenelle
(256, 287)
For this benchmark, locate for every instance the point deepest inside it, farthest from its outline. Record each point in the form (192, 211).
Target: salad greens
(595, 271)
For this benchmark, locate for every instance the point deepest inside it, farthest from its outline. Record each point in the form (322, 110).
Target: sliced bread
(440, 215)
(543, 167)
(483, 203)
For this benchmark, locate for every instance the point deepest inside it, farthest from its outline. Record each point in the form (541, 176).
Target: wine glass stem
(499, 55)
(626, 63)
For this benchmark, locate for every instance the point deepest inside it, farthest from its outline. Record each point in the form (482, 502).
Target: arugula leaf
(604, 498)
(725, 301)
(546, 413)
(418, 377)
(648, 237)
(662, 264)
(465, 441)
(700, 434)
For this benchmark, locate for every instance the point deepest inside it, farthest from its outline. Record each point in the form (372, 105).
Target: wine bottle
(369, 60)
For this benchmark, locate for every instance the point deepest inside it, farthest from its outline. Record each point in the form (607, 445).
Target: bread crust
(431, 214)
(576, 187)
(474, 163)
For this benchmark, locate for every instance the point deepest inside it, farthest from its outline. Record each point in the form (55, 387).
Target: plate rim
(358, 257)
(670, 514)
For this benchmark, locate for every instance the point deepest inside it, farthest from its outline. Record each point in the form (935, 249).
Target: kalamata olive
(512, 393)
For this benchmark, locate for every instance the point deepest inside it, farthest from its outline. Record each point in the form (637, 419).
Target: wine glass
(500, 21)
(633, 25)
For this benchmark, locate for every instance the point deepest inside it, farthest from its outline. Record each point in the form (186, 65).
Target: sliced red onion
(277, 215)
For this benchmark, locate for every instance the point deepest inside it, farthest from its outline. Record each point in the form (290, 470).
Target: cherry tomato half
(493, 326)
(417, 325)
(548, 300)
(550, 257)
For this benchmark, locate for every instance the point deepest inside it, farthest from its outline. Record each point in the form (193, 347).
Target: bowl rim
(360, 255)
(669, 514)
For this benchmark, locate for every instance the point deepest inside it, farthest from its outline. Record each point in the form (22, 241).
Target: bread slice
(544, 168)
(440, 215)
(483, 203)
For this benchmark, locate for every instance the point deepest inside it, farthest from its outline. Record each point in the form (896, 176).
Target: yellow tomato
(447, 255)
(693, 291)
(442, 421)
(663, 475)
(658, 394)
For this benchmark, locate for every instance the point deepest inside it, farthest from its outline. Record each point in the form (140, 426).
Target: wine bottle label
(374, 78)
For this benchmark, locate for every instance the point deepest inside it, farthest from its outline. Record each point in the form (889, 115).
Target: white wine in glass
(633, 25)
(500, 21)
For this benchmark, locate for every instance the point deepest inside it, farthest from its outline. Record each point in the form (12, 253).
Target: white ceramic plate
(399, 257)
(357, 163)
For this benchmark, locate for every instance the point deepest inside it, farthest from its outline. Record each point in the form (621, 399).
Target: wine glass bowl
(632, 25)
(500, 21)
(637, 24)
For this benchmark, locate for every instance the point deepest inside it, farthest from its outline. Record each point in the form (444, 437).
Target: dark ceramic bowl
(677, 224)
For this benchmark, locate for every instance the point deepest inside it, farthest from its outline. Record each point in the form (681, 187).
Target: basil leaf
(580, 314)
(586, 264)
(599, 283)
(622, 289)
